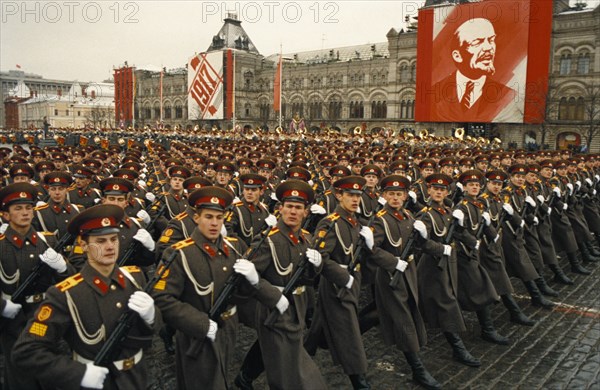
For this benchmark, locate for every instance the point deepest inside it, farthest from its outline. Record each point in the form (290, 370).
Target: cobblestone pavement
(562, 351)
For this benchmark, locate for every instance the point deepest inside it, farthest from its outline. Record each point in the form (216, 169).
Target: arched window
(404, 74)
(403, 109)
(413, 72)
(583, 63)
(565, 64)
(335, 108)
(580, 109)
(562, 109)
(571, 108)
(167, 111)
(178, 111)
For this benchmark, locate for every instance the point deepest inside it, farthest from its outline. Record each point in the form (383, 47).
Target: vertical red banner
(277, 88)
(123, 79)
(230, 87)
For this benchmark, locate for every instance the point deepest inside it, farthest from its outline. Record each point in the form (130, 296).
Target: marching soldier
(82, 193)
(175, 199)
(21, 249)
(85, 309)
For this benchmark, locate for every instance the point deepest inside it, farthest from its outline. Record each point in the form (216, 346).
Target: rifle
(133, 247)
(302, 265)
(37, 270)
(395, 282)
(227, 292)
(112, 344)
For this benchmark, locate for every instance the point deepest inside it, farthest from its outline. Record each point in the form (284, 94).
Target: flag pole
(161, 95)
(233, 93)
(280, 81)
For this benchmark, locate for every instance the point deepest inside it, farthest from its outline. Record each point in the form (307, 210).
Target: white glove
(529, 200)
(97, 200)
(3, 228)
(54, 260)
(150, 197)
(460, 217)
(311, 183)
(508, 208)
(144, 216)
(570, 187)
(236, 200)
(316, 209)
(247, 269)
(358, 210)
(94, 376)
(540, 198)
(212, 330)
(597, 177)
(314, 257)
(594, 192)
(40, 203)
(282, 304)
(447, 250)
(142, 176)
(350, 282)
(413, 196)
(11, 309)
(409, 178)
(401, 266)
(143, 304)
(236, 174)
(565, 206)
(271, 220)
(486, 218)
(556, 190)
(522, 223)
(382, 201)
(145, 238)
(536, 221)
(274, 196)
(549, 210)
(578, 184)
(477, 245)
(496, 238)
(367, 234)
(421, 228)
(460, 187)
(589, 182)
(142, 184)
(223, 230)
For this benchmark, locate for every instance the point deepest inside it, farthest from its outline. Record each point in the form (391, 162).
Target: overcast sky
(83, 40)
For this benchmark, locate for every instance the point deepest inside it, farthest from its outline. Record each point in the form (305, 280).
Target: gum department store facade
(373, 85)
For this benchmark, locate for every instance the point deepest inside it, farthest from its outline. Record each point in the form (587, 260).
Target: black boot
(359, 382)
(488, 332)
(576, 266)
(593, 251)
(252, 367)
(537, 299)
(586, 255)
(420, 373)
(459, 351)
(544, 288)
(516, 314)
(559, 275)
(166, 334)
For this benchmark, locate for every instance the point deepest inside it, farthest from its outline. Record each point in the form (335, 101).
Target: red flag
(18, 66)
(277, 87)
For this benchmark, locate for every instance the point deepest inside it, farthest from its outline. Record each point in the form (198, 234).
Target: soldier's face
(176, 183)
(252, 195)
(472, 188)
(101, 250)
(447, 170)
(518, 179)
(427, 171)
(117, 200)
(546, 172)
(223, 177)
(494, 187)
(21, 179)
(58, 194)
(371, 180)
(395, 198)
(19, 216)
(209, 223)
(348, 201)
(82, 182)
(292, 214)
(531, 177)
(437, 194)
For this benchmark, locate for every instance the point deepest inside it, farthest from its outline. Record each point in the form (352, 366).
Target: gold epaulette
(238, 204)
(181, 216)
(38, 208)
(381, 213)
(231, 239)
(182, 244)
(47, 233)
(69, 282)
(131, 268)
(2, 237)
(273, 231)
(305, 231)
(72, 187)
(485, 196)
(465, 201)
(327, 192)
(332, 217)
(425, 209)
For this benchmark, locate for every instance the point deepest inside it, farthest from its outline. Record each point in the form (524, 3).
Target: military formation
(190, 235)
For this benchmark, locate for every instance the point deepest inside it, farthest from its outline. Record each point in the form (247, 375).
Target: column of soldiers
(284, 237)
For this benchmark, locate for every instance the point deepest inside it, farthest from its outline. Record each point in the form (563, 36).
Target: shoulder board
(381, 213)
(464, 201)
(333, 217)
(51, 234)
(181, 216)
(425, 209)
(273, 231)
(131, 268)
(508, 189)
(182, 244)
(72, 187)
(327, 192)
(69, 282)
(41, 207)
(305, 231)
(231, 239)
(238, 204)
(2, 237)
(485, 196)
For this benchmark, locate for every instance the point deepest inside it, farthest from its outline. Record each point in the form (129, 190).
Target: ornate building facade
(374, 85)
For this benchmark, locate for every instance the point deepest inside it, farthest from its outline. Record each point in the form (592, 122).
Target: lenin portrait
(471, 93)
